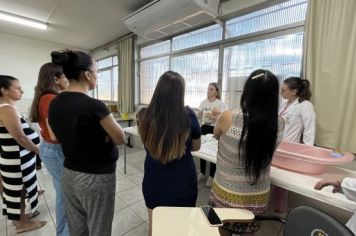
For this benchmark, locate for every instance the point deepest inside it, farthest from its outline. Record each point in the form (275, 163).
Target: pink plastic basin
(306, 159)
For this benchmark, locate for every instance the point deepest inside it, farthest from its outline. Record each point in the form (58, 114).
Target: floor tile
(3, 230)
(203, 196)
(119, 204)
(46, 230)
(136, 178)
(123, 183)
(141, 230)
(124, 221)
(140, 209)
(270, 228)
(52, 211)
(131, 195)
(2, 217)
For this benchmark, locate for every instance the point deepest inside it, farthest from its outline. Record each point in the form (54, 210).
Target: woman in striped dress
(248, 138)
(18, 144)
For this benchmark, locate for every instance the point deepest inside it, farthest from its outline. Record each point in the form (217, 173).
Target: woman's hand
(335, 182)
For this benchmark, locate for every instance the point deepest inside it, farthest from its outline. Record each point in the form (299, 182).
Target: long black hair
(301, 85)
(164, 126)
(259, 103)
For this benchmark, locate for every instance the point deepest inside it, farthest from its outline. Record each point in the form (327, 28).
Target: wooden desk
(302, 184)
(190, 221)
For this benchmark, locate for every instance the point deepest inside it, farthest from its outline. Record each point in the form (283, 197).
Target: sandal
(31, 226)
(28, 216)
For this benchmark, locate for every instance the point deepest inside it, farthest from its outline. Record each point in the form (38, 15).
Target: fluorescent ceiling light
(22, 20)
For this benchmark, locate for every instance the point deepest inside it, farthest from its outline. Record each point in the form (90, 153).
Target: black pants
(207, 129)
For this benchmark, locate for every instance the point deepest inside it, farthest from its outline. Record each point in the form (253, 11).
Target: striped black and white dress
(18, 170)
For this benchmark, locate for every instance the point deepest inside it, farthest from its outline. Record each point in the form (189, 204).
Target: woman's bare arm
(11, 120)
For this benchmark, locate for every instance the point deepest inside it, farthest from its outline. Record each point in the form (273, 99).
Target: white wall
(22, 59)
(102, 53)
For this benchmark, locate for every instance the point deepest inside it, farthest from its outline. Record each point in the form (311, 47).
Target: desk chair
(301, 221)
(310, 221)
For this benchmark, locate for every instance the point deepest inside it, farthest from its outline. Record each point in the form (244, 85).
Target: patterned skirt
(255, 202)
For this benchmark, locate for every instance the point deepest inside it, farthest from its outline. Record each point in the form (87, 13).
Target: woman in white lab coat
(346, 186)
(297, 111)
(299, 117)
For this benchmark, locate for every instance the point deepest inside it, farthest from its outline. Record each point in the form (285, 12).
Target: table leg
(125, 153)
(125, 159)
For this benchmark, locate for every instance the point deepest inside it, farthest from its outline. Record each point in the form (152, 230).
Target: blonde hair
(217, 88)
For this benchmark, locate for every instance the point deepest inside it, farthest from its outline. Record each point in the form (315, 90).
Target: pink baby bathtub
(306, 159)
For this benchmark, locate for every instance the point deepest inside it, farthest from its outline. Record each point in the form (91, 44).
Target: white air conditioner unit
(161, 18)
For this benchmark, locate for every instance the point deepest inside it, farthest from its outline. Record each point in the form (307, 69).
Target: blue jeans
(52, 156)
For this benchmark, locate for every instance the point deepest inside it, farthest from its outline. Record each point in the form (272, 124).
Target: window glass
(150, 71)
(198, 70)
(104, 63)
(155, 49)
(115, 83)
(279, 15)
(104, 85)
(199, 37)
(281, 55)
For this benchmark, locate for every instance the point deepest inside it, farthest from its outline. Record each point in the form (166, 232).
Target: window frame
(103, 69)
(296, 27)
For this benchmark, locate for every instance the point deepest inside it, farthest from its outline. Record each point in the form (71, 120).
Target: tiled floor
(130, 217)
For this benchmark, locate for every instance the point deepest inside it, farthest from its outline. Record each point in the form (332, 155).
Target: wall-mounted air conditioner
(161, 18)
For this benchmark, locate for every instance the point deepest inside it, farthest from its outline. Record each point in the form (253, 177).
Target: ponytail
(301, 85)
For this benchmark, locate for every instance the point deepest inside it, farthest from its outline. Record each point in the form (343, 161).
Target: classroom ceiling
(85, 24)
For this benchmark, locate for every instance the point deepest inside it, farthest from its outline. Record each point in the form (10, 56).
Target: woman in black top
(88, 133)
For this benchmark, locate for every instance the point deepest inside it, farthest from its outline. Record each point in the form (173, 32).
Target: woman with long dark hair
(88, 134)
(248, 138)
(169, 132)
(51, 81)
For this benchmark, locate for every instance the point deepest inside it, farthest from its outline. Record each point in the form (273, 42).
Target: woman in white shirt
(297, 111)
(209, 110)
(299, 117)
(346, 186)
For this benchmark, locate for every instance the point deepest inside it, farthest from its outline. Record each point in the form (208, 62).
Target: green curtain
(330, 65)
(126, 90)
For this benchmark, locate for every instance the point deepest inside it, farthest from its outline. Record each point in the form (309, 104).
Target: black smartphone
(211, 216)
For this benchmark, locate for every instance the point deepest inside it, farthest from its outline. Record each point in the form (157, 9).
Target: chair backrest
(308, 221)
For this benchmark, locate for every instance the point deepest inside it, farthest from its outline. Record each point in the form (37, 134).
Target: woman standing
(299, 117)
(18, 158)
(88, 133)
(169, 132)
(248, 138)
(51, 81)
(297, 111)
(209, 110)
